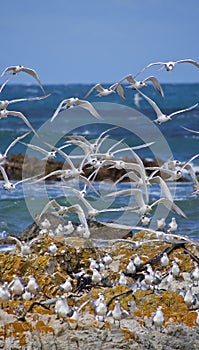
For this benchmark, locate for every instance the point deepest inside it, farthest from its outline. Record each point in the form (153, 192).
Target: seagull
(137, 261)
(63, 210)
(12, 144)
(48, 154)
(8, 186)
(75, 101)
(96, 276)
(62, 308)
(140, 84)
(66, 286)
(5, 103)
(172, 225)
(16, 286)
(161, 117)
(25, 247)
(161, 224)
(101, 310)
(13, 70)
(164, 259)
(107, 91)
(189, 297)
(122, 280)
(117, 312)
(145, 220)
(194, 275)
(107, 259)
(32, 286)
(131, 268)
(158, 318)
(4, 113)
(4, 293)
(169, 66)
(175, 269)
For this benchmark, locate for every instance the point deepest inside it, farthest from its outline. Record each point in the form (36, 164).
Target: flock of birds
(91, 156)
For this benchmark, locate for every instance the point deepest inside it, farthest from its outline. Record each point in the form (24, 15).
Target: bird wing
(5, 176)
(4, 84)
(194, 131)
(20, 115)
(120, 91)
(51, 203)
(170, 205)
(189, 61)
(78, 209)
(156, 84)
(184, 110)
(8, 69)
(63, 154)
(14, 142)
(129, 78)
(16, 240)
(35, 148)
(152, 103)
(30, 99)
(148, 66)
(87, 105)
(163, 185)
(58, 109)
(33, 73)
(97, 87)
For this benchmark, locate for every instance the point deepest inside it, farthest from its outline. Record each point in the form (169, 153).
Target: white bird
(107, 259)
(169, 66)
(189, 297)
(161, 224)
(107, 91)
(117, 312)
(172, 225)
(96, 276)
(197, 318)
(68, 228)
(4, 293)
(137, 261)
(131, 268)
(52, 248)
(62, 308)
(161, 117)
(74, 101)
(48, 154)
(101, 310)
(194, 275)
(16, 286)
(175, 269)
(13, 70)
(33, 286)
(66, 286)
(25, 247)
(12, 144)
(94, 264)
(158, 318)
(164, 259)
(26, 295)
(45, 224)
(122, 280)
(139, 84)
(145, 220)
(4, 113)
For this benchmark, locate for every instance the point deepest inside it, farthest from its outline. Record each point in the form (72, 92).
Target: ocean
(134, 119)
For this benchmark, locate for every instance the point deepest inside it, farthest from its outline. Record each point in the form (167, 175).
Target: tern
(169, 66)
(5, 103)
(75, 101)
(161, 117)
(25, 247)
(13, 70)
(139, 84)
(158, 318)
(107, 91)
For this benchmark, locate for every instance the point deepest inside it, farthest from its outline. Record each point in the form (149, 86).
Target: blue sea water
(14, 214)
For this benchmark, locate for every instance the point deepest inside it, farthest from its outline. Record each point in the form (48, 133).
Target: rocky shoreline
(33, 324)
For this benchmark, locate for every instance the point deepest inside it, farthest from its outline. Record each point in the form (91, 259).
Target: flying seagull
(139, 84)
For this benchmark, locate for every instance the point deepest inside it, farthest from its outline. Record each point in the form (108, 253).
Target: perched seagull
(66, 286)
(139, 84)
(16, 286)
(194, 275)
(161, 224)
(122, 280)
(62, 308)
(74, 101)
(63, 210)
(4, 293)
(172, 225)
(12, 144)
(117, 313)
(101, 310)
(4, 113)
(96, 276)
(189, 297)
(107, 259)
(137, 261)
(175, 269)
(169, 66)
(13, 70)
(131, 268)
(107, 91)
(158, 318)
(164, 261)
(52, 248)
(25, 247)
(145, 220)
(161, 117)
(33, 286)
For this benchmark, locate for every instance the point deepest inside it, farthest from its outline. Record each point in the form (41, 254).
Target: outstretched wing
(156, 84)
(87, 105)
(184, 110)
(58, 109)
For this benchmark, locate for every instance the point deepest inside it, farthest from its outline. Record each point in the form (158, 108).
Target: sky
(90, 41)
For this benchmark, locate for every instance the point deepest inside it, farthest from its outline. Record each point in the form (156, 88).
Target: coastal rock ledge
(34, 325)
